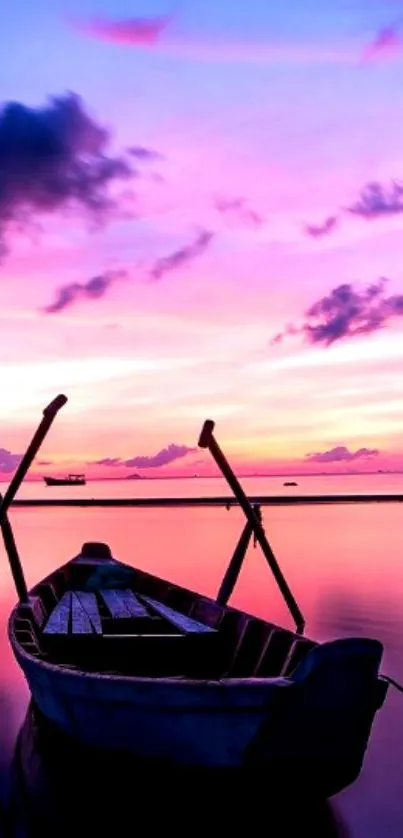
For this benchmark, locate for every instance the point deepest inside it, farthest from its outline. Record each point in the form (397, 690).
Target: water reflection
(344, 566)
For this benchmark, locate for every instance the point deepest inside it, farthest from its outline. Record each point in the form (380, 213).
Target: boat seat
(115, 611)
(123, 604)
(120, 631)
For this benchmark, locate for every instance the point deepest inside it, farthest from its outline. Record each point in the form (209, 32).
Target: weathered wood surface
(88, 602)
(80, 621)
(58, 622)
(180, 621)
(133, 605)
(122, 604)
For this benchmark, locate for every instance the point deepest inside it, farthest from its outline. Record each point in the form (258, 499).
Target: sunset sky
(201, 216)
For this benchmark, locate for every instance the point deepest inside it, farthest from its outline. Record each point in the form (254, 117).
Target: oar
(49, 414)
(234, 568)
(207, 440)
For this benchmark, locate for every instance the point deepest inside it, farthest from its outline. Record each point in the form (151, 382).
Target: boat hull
(230, 724)
(188, 722)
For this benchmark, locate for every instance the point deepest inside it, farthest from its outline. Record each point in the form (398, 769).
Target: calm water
(344, 564)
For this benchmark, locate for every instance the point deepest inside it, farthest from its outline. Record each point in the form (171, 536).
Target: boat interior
(112, 619)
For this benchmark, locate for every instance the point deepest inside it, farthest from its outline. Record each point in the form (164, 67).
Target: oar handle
(49, 414)
(53, 408)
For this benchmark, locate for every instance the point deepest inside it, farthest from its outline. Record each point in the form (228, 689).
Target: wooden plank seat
(116, 630)
(80, 612)
(58, 622)
(123, 604)
(186, 625)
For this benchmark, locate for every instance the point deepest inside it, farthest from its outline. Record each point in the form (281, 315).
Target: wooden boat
(124, 661)
(71, 480)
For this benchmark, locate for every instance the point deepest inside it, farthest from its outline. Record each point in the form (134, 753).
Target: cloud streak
(346, 313)
(387, 44)
(155, 33)
(181, 257)
(317, 231)
(237, 209)
(164, 457)
(98, 286)
(134, 31)
(53, 158)
(341, 454)
(94, 289)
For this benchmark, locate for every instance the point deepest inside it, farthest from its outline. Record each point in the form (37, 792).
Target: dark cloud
(377, 200)
(93, 289)
(133, 31)
(162, 458)
(45, 463)
(316, 231)
(54, 157)
(346, 313)
(181, 257)
(8, 461)
(341, 453)
(237, 209)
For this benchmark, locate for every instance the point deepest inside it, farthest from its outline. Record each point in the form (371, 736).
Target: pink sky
(178, 326)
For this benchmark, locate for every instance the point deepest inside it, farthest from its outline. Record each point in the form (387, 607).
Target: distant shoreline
(6, 479)
(262, 500)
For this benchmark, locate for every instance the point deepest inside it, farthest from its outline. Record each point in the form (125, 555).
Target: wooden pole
(14, 558)
(234, 568)
(207, 440)
(49, 415)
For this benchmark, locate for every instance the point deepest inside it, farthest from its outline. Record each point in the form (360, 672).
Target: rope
(393, 683)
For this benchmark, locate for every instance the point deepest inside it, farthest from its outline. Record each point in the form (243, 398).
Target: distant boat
(71, 480)
(290, 483)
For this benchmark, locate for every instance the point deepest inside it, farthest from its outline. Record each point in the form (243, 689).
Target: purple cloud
(377, 200)
(93, 289)
(167, 455)
(341, 453)
(134, 31)
(53, 158)
(316, 231)
(144, 154)
(347, 313)
(183, 256)
(8, 461)
(238, 209)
